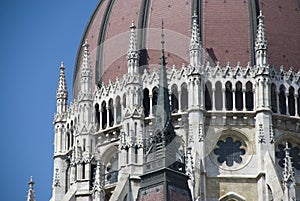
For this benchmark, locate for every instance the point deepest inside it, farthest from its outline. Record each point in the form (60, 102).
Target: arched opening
(124, 100)
(118, 110)
(104, 114)
(154, 99)
(208, 96)
(273, 98)
(174, 98)
(228, 94)
(238, 96)
(146, 102)
(184, 97)
(218, 96)
(291, 101)
(97, 115)
(249, 96)
(231, 196)
(282, 100)
(83, 170)
(111, 112)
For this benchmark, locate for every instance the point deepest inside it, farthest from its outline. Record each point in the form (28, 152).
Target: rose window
(229, 151)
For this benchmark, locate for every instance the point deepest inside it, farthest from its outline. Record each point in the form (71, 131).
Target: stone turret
(30, 195)
(60, 148)
(196, 81)
(289, 180)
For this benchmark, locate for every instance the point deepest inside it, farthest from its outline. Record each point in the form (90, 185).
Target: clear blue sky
(35, 35)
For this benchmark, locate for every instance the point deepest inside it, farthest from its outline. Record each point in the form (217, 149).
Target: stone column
(213, 97)
(233, 100)
(179, 101)
(277, 101)
(107, 116)
(115, 114)
(244, 99)
(296, 105)
(100, 118)
(287, 103)
(224, 99)
(150, 110)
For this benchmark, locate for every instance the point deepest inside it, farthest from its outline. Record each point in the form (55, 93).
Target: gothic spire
(261, 45)
(163, 124)
(195, 44)
(86, 69)
(30, 195)
(62, 92)
(132, 53)
(288, 176)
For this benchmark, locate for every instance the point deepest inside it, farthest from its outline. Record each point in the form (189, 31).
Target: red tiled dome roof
(227, 31)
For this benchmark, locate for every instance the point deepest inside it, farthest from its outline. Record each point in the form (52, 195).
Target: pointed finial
(30, 195)
(132, 25)
(132, 53)
(162, 35)
(62, 66)
(62, 92)
(86, 69)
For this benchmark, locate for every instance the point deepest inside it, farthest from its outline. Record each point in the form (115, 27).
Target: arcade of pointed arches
(218, 97)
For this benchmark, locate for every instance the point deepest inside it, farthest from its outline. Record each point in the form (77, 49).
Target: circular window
(232, 151)
(229, 151)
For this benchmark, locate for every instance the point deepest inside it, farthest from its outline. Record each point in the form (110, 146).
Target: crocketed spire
(62, 92)
(195, 44)
(163, 125)
(195, 36)
(132, 53)
(30, 195)
(86, 69)
(288, 176)
(261, 45)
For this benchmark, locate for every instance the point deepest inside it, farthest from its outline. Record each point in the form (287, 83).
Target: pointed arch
(111, 112)
(104, 114)
(228, 94)
(174, 98)
(208, 95)
(273, 98)
(231, 196)
(282, 100)
(118, 110)
(238, 96)
(291, 101)
(97, 115)
(184, 97)
(249, 96)
(154, 99)
(146, 102)
(218, 96)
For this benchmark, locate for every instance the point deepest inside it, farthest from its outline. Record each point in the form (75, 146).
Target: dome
(227, 30)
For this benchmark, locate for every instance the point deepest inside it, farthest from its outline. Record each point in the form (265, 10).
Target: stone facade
(237, 129)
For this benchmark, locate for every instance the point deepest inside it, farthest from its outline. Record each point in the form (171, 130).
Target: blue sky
(35, 35)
